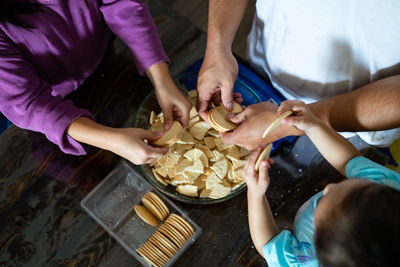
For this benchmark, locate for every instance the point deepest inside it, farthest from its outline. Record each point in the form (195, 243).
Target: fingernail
(166, 126)
(229, 106)
(264, 164)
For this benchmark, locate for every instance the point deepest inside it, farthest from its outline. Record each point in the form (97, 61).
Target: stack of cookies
(169, 137)
(165, 242)
(155, 205)
(217, 118)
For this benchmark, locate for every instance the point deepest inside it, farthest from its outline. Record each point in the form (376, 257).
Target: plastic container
(111, 203)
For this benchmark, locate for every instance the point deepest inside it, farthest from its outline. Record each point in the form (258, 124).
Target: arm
(219, 70)
(126, 142)
(28, 101)
(131, 21)
(375, 106)
(336, 149)
(224, 17)
(261, 222)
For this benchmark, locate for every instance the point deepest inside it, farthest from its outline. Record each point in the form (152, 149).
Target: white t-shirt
(314, 49)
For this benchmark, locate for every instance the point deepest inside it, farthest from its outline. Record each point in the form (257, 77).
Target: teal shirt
(297, 248)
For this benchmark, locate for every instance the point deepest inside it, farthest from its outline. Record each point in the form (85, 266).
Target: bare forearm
(89, 132)
(159, 75)
(224, 17)
(373, 107)
(336, 149)
(261, 222)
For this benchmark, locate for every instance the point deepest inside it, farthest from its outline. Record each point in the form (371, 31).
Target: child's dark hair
(363, 231)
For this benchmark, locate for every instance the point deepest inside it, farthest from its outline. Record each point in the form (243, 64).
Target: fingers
(168, 118)
(292, 120)
(202, 105)
(251, 162)
(294, 105)
(227, 95)
(150, 136)
(263, 177)
(235, 137)
(155, 152)
(217, 98)
(237, 118)
(238, 97)
(183, 115)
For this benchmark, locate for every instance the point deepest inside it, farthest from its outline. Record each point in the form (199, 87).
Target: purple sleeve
(28, 102)
(131, 21)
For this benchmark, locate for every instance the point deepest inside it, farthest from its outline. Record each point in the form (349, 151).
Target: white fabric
(315, 49)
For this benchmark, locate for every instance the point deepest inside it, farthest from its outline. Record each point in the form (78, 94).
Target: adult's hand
(217, 76)
(253, 121)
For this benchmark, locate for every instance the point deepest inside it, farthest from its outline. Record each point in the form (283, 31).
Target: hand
(257, 182)
(303, 119)
(253, 121)
(129, 143)
(216, 79)
(174, 105)
(172, 101)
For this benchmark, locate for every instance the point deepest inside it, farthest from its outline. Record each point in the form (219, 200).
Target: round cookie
(145, 215)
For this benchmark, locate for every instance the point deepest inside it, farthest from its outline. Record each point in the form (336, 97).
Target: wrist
(253, 195)
(291, 130)
(314, 126)
(159, 75)
(217, 47)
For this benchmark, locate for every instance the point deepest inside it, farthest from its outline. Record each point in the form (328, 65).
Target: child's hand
(174, 105)
(172, 101)
(303, 119)
(129, 143)
(257, 182)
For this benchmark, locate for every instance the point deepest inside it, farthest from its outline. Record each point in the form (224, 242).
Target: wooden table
(41, 221)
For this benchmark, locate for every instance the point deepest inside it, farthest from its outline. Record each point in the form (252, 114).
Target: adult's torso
(67, 43)
(314, 49)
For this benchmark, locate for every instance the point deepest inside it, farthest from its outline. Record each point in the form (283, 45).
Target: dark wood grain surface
(41, 221)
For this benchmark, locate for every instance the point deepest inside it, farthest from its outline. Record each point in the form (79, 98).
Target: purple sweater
(39, 67)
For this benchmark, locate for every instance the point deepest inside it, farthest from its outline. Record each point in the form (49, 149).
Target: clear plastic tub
(111, 203)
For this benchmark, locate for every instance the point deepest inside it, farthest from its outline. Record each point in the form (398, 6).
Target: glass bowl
(186, 82)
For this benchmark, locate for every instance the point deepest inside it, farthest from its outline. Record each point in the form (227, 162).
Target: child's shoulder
(361, 167)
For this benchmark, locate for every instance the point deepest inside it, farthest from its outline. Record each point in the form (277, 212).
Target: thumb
(168, 118)
(229, 138)
(151, 136)
(293, 121)
(263, 177)
(227, 96)
(202, 107)
(236, 118)
(156, 152)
